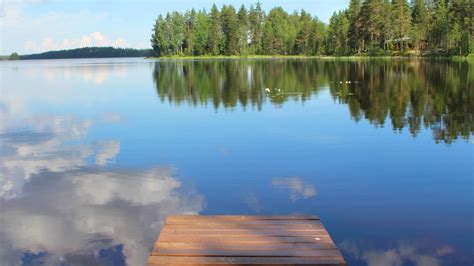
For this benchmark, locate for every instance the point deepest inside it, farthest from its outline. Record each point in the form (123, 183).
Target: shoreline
(469, 58)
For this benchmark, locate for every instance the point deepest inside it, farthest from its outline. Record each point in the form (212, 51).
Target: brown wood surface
(170, 260)
(252, 246)
(244, 240)
(243, 226)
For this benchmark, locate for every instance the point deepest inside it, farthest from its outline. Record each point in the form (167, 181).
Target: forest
(368, 27)
(88, 52)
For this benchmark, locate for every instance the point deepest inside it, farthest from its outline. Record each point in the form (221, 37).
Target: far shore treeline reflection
(436, 95)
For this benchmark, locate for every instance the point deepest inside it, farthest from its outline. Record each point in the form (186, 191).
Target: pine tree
(372, 16)
(353, 33)
(439, 31)
(275, 35)
(256, 19)
(461, 22)
(159, 42)
(293, 28)
(230, 30)
(201, 33)
(176, 26)
(243, 23)
(317, 37)
(420, 22)
(189, 24)
(215, 32)
(401, 16)
(303, 39)
(337, 34)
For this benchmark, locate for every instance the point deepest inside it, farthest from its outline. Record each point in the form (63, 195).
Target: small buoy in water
(349, 82)
(267, 90)
(340, 82)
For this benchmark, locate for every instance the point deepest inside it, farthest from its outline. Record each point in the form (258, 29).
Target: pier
(244, 240)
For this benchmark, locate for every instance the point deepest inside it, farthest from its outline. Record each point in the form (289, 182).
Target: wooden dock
(244, 240)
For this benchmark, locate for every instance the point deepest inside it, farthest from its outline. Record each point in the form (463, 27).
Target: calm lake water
(96, 153)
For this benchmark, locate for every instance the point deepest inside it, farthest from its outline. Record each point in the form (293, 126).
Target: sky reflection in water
(96, 153)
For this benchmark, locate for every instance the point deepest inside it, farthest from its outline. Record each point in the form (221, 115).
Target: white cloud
(93, 39)
(120, 42)
(99, 38)
(297, 187)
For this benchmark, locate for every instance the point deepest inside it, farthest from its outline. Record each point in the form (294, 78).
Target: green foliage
(256, 21)
(201, 33)
(230, 30)
(14, 56)
(401, 17)
(355, 26)
(420, 18)
(215, 32)
(371, 27)
(439, 30)
(276, 32)
(243, 34)
(337, 41)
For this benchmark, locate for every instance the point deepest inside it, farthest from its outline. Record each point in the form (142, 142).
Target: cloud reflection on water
(61, 202)
(74, 211)
(297, 187)
(406, 253)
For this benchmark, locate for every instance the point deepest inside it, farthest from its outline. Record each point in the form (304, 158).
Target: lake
(95, 153)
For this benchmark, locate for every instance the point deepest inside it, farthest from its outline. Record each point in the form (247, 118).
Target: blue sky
(36, 26)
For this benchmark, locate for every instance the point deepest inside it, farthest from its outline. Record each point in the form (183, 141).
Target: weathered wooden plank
(173, 218)
(169, 260)
(245, 226)
(247, 223)
(250, 234)
(244, 239)
(248, 253)
(252, 246)
(242, 230)
(282, 232)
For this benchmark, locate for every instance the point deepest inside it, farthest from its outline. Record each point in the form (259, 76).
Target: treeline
(375, 27)
(91, 52)
(237, 32)
(442, 27)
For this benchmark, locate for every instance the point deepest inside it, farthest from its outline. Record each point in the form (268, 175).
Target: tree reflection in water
(415, 94)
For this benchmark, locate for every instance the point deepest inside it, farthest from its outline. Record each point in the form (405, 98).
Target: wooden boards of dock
(244, 240)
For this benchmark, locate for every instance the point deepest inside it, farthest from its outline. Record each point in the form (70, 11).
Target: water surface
(96, 153)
